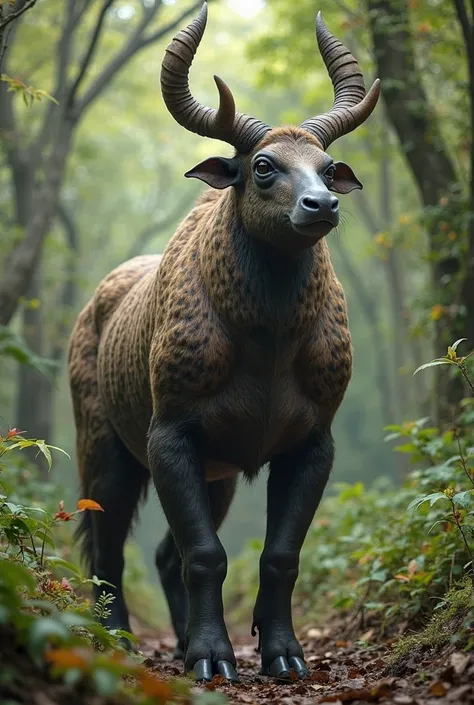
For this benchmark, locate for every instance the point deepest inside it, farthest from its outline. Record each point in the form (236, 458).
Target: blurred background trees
(95, 176)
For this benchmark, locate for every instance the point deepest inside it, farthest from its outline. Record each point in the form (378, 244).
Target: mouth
(315, 229)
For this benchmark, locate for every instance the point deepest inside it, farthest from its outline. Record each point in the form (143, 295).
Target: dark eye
(330, 172)
(262, 167)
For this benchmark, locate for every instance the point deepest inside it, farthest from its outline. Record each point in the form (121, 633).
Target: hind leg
(109, 474)
(168, 561)
(117, 482)
(118, 489)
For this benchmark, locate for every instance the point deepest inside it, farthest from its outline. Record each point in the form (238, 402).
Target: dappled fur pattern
(153, 338)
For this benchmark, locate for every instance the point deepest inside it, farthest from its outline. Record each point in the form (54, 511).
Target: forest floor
(341, 671)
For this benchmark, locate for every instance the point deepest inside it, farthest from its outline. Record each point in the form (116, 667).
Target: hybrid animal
(228, 353)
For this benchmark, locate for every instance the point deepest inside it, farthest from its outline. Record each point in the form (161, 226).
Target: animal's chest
(261, 411)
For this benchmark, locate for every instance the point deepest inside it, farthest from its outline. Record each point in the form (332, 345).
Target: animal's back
(116, 295)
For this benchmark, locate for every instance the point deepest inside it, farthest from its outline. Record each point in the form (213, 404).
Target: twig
(14, 15)
(89, 53)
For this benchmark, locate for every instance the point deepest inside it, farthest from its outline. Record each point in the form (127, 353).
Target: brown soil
(340, 672)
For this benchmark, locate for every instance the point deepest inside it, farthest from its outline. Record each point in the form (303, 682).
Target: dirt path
(340, 672)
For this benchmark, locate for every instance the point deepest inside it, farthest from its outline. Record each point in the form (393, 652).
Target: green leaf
(433, 363)
(464, 499)
(455, 345)
(44, 630)
(57, 561)
(43, 448)
(431, 498)
(16, 575)
(124, 634)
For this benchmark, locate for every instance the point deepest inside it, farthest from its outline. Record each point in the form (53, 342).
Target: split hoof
(299, 666)
(280, 668)
(226, 669)
(204, 670)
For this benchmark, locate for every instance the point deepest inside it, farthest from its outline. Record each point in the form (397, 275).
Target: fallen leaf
(319, 677)
(437, 689)
(155, 688)
(370, 695)
(403, 700)
(353, 673)
(367, 636)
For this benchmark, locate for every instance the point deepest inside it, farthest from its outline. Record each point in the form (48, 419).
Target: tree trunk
(415, 123)
(22, 263)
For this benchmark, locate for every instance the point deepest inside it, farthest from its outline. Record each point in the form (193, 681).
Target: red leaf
(14, 432)
(84, 504)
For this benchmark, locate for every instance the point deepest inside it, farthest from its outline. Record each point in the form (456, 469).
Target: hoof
(280, 668)
(299, 666)
(204, 671)
(226, 669)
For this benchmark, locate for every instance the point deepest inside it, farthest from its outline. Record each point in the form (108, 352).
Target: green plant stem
(466, 377)
(463, 460)
(466, 543)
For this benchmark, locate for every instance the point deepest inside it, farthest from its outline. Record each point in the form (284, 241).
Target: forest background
(92, 173)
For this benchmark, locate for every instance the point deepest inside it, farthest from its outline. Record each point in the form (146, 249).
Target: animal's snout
(319, 204)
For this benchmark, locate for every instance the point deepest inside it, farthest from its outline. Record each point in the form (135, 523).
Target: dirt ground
(340, 672)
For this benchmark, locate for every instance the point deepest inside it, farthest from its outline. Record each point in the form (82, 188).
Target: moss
(447, 621)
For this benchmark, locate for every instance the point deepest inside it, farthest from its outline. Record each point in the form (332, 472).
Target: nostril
(334, 205)
(310, 203)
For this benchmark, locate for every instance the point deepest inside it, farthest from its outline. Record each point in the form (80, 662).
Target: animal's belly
(249, 424)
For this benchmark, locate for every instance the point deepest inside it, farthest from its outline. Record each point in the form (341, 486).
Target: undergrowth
(44, 615)
(385, 557)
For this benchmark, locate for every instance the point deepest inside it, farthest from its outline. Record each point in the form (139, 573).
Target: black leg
(178, 475)
(117, 483)
(295, 486)
(168, 561)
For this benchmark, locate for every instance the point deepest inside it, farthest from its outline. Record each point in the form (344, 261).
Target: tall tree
(416, 122)
(38, 167)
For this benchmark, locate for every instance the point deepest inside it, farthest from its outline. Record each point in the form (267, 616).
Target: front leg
(179, 479)
(295, 487)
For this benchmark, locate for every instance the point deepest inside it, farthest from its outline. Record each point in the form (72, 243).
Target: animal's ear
(217, 172)
(344, 180)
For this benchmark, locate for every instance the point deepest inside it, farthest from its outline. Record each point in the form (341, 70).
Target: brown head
(285, 181)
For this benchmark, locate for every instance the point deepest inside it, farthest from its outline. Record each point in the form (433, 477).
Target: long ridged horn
(352, 106)
(241, 131)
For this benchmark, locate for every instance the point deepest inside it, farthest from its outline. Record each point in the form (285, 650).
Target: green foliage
(46, 615)
(28, 93)
(452, 622)
(13, 346)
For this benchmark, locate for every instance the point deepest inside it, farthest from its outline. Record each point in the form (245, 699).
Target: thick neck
(252, 284)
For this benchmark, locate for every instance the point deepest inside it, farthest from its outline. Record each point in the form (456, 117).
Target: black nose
(320, 203)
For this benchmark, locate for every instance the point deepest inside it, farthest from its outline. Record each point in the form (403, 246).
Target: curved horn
(352, 106)
(239, 130)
